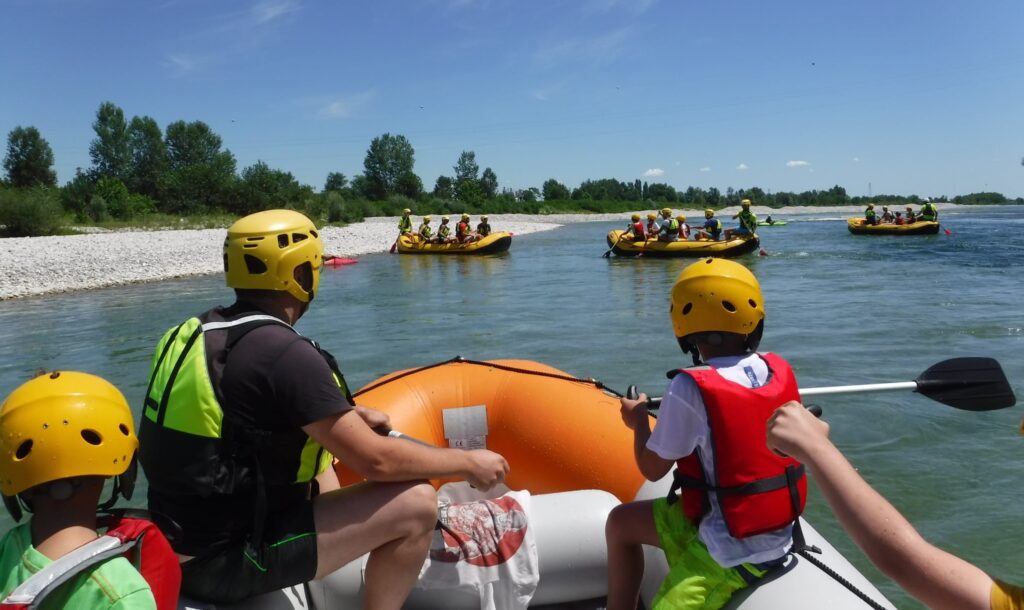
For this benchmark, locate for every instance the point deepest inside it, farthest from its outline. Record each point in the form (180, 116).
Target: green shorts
(695, 581)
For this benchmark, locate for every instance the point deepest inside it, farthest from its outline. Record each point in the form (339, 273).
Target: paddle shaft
(851, 389)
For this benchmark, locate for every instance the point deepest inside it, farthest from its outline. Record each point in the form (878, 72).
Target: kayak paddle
(608, 253)
(968, 384)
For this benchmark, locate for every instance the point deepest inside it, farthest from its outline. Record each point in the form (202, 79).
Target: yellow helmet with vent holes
(263, 250)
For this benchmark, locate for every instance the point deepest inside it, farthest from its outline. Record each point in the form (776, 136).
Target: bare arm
(380, 458)
(939, 579)
(634, 414)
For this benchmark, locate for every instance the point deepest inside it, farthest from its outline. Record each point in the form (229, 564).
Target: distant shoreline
(34, 266)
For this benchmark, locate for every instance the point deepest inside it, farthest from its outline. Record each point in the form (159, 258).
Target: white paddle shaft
(850, 389)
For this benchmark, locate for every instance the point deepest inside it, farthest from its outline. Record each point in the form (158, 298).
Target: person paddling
(635, 229)
(684, 229)
(870, 218)
(463, 231)
(669, 228)
(241, 419)
(940, 580)
(748, 221)
(483, 228)
(712, 226)
(426, 233)
(910, 217)
(405, 222)
(711, 427)
(928, 213)
(444, 232)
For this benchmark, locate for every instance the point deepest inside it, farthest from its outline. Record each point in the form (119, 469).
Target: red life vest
(638, 231)
(757, 491)
(138, 540)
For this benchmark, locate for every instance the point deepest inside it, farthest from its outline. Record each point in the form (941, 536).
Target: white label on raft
(466, 427)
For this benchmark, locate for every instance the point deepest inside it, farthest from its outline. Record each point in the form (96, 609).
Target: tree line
(140, 170)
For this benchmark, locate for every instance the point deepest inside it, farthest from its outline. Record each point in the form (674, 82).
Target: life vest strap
(786, 479)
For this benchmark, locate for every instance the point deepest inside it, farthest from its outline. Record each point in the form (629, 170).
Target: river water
(843, 309)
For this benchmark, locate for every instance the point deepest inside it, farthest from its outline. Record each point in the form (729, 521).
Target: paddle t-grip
(631, 392)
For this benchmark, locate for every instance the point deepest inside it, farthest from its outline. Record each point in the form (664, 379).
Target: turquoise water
(843, 309)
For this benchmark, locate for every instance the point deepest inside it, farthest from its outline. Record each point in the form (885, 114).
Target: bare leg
(394, 522)
(629, 526)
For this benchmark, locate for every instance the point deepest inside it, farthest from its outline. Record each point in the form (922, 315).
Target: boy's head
(58, 430)
(716, 304)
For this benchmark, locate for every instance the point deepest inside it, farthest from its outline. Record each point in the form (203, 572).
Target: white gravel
(31, 266)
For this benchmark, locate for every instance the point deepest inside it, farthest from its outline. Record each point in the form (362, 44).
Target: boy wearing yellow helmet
(684, 229)
(669, 229)
(426, 233)
(463, 231)
(444, 232)
(635, 229)
(711, 427)
(242, 415)
(748, 221)
(712, 226)
(935, 577)
(483, 228)
(652, 224)
(61, 435)
(405, 222)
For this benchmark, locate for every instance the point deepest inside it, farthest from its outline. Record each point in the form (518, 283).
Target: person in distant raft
(870, 218)
(887, 215)
(405, 222)
(911, 218)
(928, 213)
(61, 435)
(669, 229)
(241, 418)
(635, 229)
(684, 229)
(464, 232)
(748, 221)
(711, 427)
(426, 233)
(937, 578)
(444, 232)
(712, 226)
(483, 228)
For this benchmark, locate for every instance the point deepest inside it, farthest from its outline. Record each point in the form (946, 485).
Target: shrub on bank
(30, 212)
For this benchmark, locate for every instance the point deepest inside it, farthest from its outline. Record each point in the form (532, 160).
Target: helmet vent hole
(124, 429)
(752, 303)
(728, 306)
(282, 240)
(687, 308)
(54, 374)
(314, 233)
(23, 450)
(254, 265)
(297, 237)
(92, 437)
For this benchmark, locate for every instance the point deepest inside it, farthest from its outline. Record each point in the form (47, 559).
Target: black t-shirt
(276, 381)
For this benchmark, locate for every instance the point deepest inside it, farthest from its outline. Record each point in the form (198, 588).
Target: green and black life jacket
(404, 224)
(444, 231)
(928, 213)
(425, 231)
(189, 444)
(748, 219)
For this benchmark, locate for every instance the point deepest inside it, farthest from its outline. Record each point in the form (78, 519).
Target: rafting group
(465, 240)
(247, 428)
(671, 237)
(924, 222)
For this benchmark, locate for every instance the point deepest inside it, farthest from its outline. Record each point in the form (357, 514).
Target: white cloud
(541, 95)
(742, 167)
(342, 107)
(269, 10)
(654, 172)
(705, 169)
(856, 159)
(797, 163)
(182, 64)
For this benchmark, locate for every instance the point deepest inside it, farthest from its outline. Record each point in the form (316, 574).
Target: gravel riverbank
(31, 266)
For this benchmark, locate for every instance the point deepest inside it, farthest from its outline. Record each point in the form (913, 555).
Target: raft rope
(799, 548)
(503, 367)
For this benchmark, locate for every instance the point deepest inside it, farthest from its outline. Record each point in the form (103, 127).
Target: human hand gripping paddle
(968, 384)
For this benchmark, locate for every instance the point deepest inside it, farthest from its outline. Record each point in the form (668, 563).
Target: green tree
(444, 188)
(388, 161)
(115, 197)
(470, 193)
(553, 190)
(489, 183)
(336, 181)
(264, 188)
(201, 176)
(110, 151)
(29, 159)
(466, 168)
(409, 185)
(148, 156)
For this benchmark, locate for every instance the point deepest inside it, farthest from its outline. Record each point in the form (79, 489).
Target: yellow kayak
(624, 246)
(492, 244)
(857, 226)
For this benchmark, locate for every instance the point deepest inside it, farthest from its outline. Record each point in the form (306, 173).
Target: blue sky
(909, 97)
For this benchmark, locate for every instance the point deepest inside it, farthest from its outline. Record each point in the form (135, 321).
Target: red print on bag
(483, 533)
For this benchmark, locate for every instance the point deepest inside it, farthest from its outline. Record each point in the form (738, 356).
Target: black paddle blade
(971, 384)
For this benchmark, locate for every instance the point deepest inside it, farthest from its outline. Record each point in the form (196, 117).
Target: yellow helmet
(426, 219)
(666, 212)
(681, 218)
(65, 424)
(871, 206)
(745, 203)
(484, 217)
(263, 250)
(465, 216)
(407, 211)
(910, 208)
(444, 219)
(708, 213)
(652, 216)
(716, 295)
(635, 217)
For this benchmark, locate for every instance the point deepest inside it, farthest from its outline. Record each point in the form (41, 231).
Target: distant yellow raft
(857, 226)
(625, 246)
(492, 244)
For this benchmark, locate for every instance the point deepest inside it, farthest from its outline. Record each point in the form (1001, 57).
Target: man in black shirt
(241, 420)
